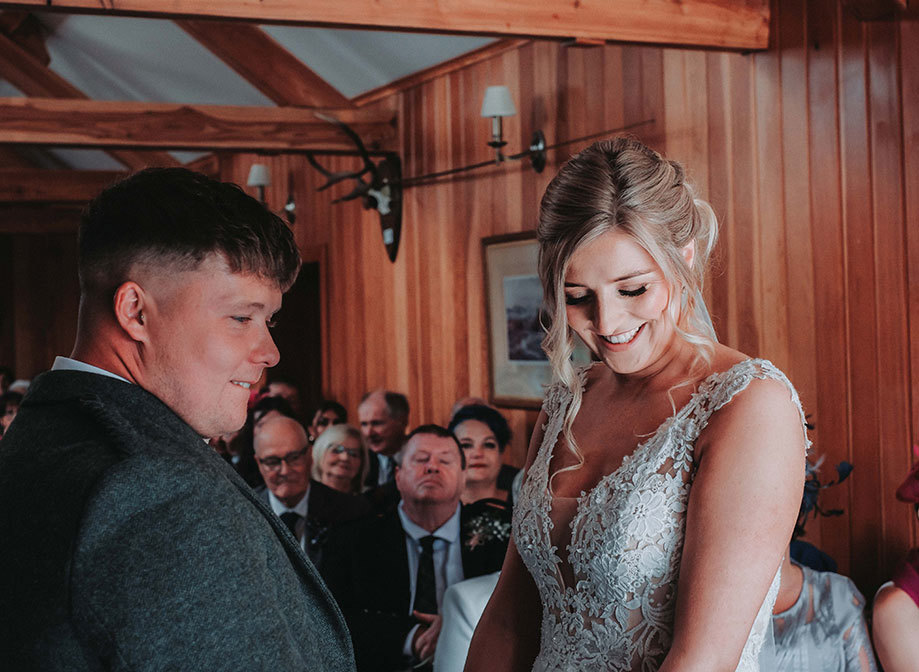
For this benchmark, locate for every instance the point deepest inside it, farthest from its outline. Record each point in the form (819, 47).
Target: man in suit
(307, 508)
(129, 544)
(383, 418)
(389, 573)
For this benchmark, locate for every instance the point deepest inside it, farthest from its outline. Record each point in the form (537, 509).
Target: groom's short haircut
(173, 219)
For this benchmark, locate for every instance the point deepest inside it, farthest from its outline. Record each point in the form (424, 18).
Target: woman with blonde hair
(663, 481)
(340, 459)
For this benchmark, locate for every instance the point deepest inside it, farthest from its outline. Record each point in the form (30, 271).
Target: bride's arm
(742, 509)
(507, 636)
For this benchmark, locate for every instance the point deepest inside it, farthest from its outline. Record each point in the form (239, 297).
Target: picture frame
(519, 369)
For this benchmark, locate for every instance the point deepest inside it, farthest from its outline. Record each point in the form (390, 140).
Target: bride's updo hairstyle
(622, 185)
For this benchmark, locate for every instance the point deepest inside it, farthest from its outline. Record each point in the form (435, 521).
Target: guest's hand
(426, 636)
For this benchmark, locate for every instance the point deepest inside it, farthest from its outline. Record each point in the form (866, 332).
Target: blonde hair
(622, 185)
(334, 436)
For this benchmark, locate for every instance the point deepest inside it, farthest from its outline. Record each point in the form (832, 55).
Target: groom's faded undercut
(173, 219)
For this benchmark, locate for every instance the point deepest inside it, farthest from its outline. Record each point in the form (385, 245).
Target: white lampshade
(259, 176)
(498, 103)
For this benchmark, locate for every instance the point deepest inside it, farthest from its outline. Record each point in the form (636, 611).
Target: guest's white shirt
(448, 559)
(68, 364)
(299, 508)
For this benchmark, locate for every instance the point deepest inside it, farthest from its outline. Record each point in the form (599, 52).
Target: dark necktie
(425, 586)
(290, 519)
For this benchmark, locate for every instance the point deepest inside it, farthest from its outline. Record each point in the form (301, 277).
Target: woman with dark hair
(663, 481)
(483, 434)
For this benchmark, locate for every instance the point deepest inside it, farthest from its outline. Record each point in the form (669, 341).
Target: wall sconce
(260, 177)
(497, 104)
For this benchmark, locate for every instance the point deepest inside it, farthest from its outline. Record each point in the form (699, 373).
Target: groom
(128, 544)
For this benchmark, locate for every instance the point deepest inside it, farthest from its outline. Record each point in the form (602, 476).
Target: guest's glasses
(274, 463)
(339, 449)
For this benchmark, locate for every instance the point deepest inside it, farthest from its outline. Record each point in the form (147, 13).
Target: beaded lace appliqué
(626, 541)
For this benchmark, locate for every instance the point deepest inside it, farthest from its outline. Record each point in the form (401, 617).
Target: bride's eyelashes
(576, 300)
(584, 298)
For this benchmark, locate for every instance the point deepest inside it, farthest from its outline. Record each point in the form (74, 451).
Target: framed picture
(520, 370)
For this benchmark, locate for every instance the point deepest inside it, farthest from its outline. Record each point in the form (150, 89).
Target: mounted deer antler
(382, 193)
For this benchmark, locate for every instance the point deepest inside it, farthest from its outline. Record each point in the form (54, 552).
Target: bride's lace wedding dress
(608, 598)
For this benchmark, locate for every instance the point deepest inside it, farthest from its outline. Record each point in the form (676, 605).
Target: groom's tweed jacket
(128, 544)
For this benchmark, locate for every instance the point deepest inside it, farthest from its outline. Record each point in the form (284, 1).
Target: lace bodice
(626, 539)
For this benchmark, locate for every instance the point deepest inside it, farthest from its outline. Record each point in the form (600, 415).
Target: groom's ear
(128, 304)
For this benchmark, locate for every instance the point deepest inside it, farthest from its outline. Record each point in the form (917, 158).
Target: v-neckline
(640, 447)
(627, 459)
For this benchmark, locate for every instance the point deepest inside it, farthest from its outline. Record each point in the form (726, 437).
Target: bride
(663, 481)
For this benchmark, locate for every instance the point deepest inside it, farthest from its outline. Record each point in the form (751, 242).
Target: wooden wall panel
(909, 72)
(806, 152)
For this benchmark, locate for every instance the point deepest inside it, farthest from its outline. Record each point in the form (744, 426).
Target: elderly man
(389, 573)
(128, 543)
(307, 508)
(383, 417)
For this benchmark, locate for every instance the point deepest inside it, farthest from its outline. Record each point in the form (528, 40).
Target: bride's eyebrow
(633, 274)
(627, 276)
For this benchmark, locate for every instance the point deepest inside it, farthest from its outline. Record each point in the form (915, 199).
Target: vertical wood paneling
(890, 285)
(909, 74)
(830, 414)
(857, 211)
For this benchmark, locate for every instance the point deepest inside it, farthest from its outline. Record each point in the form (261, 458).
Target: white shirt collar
(449, 531)
(279, 507)
(68, 364)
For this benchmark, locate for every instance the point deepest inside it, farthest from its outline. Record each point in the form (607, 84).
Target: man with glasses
(308, 508)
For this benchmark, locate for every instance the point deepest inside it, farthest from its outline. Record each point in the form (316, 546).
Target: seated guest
(383, 417)
(240, 445)
(508, 473)
(308, 509)
(9, 407)
(340, 459)
(329, 413)
(896, 606)
(464, 603)
(483, 434)
(819, 624)
(818, 619)
(389, 573)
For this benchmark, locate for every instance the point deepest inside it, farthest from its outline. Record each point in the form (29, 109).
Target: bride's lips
(619, 347)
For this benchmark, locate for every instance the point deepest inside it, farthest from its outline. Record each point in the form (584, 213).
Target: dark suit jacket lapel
(392, 563)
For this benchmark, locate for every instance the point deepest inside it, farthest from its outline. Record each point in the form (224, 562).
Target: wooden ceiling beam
(34, 78)
(27, 32)
(729, 24)
(106, 124)
(264, 63)
(54, 186)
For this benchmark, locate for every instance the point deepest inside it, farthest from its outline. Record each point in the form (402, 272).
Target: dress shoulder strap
(720, 388)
